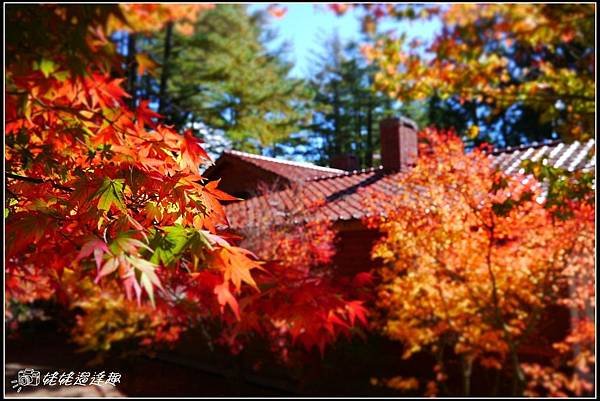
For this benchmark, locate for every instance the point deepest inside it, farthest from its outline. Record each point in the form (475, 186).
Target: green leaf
(47, 67)
(61, 75)
(168, 247)
(111, 193)
(27, 108)
(175, 241)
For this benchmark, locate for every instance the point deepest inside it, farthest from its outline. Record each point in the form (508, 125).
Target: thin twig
(38, 181)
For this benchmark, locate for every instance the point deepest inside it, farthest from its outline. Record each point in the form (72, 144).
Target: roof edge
(306, 165)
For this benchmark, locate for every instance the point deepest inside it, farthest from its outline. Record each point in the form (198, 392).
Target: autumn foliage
(498, 56)
(108, 216)
(473, 261)
(97, 191)
(107, 212)
(303, 302)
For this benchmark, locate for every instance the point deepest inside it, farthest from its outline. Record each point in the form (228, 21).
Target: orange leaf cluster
(494, 54)
(472, 258)
(94, 183)
(107, 210)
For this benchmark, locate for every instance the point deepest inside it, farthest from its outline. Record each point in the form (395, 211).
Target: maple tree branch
(16, 93)
(519, 377)
(439, 356)
(38, 181)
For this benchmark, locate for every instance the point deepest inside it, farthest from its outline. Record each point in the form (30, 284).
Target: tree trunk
(145, 83)
(369, 150)
(518, 375)
(467, 368)
(358, 136)
(162, 94)
(131, 68)
(496, 386)
(337, 123)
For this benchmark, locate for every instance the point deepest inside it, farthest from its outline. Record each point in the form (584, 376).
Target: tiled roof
(292, 170)
(343, 200)
(574, 156)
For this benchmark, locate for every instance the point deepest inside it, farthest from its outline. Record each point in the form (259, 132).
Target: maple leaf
(216, 239)
(339, 8)
(111, 265)
(24, 229)
(277, 11)
(362, 279)
(47, 67)
(192, 154)
(211, 187)
(131, 284)
(212, 211)
(176, 241)
(333, 318)
(237, 266)
(148, 277)
(124, 243)
(356, 310)
(145, 63)
(225, 297)
(113, 89)
(95, 246)
(111, 193)
(145, 114)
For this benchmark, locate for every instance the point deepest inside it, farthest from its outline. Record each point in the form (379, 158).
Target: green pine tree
(347, 107)
(224, 79)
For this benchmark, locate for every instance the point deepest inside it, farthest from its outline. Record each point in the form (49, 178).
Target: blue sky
(306, 25)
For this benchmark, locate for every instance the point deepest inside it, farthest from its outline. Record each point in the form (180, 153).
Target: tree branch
(38, 181)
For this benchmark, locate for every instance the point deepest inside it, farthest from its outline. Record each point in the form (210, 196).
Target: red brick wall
(353, 250)
(399, 148)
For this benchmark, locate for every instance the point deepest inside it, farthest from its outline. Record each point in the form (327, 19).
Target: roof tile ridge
(346, 173)
(283, 161)
(532, 145)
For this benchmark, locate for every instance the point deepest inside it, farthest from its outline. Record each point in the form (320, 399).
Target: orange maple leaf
(225, 297)
(192, 153)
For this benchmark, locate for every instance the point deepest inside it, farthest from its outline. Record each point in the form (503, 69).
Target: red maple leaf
(192, 153)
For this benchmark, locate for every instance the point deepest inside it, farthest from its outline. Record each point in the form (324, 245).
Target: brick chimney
(399, 149)
(346, 162)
